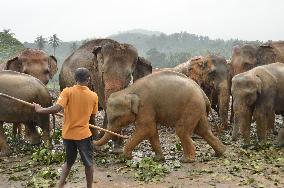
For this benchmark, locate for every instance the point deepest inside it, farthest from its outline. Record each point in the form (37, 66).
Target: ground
(257, 166)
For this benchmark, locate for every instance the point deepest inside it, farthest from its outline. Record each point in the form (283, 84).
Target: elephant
(258, 92)
(30, 89)
(166, 98)
(35, 63)
(211, 73)
(248, 56)
(112, 65)
(280, 138)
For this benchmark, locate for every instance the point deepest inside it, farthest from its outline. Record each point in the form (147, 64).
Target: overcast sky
(81, 19)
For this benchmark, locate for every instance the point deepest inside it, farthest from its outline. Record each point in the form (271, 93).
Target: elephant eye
(46, 72)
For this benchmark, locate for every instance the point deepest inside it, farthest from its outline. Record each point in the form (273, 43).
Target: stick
(61, 115)
(23, 102)
(108, 131)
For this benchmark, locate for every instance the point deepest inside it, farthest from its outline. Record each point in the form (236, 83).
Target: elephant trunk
(112, 86)
(242, 121)
(103, 140)
(106, 137)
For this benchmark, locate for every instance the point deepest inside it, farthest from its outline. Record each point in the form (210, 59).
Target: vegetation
(9, 45)
(54, 42)
(40, 42)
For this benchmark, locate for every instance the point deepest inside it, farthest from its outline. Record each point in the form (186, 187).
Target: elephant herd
(181, 96)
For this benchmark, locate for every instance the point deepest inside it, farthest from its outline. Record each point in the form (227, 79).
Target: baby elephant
(166, 98)
(259, 93)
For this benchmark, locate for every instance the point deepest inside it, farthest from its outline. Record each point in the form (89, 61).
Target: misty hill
(161, 49)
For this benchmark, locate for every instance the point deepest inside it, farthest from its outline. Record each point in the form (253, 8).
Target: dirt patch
(257, 166)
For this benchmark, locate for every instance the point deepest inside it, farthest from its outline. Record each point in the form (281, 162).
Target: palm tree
(40, 42)
(54, 41)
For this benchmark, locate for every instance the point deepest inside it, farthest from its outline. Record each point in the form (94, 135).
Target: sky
(81, 19)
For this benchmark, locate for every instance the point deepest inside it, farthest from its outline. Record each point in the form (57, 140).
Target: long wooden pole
(61, 115)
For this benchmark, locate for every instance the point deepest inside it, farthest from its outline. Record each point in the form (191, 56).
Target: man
(79, 104)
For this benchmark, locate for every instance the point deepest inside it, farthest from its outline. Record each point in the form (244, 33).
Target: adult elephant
(35, 63)
(112, 65)
(29, 89)
(211, 73)
(259, 93)
(248, 56)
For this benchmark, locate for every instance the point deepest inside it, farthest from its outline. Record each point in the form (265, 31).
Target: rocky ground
(257, 166)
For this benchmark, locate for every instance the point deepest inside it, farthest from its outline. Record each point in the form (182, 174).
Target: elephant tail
(208, 105)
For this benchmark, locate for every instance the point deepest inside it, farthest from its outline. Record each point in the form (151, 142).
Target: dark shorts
(85, 147)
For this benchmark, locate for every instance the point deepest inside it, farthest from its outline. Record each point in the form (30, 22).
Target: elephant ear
(134, 102)
(259, 84)
(14, 64)
(142, 67)
(52, 63)
(265, 55)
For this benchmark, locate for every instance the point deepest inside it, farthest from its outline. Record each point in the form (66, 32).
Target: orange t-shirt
(79, 102)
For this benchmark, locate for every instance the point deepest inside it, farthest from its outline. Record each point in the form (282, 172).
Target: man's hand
(49, 110)
(37, 107)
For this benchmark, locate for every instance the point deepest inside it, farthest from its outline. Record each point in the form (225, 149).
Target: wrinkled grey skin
(167, 98)
(248, 56)
(29, 89)
(112, 65)
(259, 93)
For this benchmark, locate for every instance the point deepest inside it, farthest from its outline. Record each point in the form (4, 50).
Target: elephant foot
(159, 158)
(274, 132)
(235, 136)
(221, 152)
(117, 150)
(246, 145)
(126, 156)
(186, 159)
(4, 152)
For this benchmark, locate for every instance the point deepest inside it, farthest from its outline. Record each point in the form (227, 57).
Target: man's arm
(50, 110)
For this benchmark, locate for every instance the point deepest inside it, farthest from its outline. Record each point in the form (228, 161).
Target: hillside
(161, 49)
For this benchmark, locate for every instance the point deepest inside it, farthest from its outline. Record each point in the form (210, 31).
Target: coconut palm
(40, 42)
(54, 42)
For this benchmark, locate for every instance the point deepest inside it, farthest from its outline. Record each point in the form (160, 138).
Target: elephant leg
(3, 143)
(232, 112)
(236, 131)
(245, 132)
(271, 124)
(185, 139)
(17, 129)
(35, 136)
(223, 102)
(138, 136)
(203, 130)
(155, 144)
(262, 120)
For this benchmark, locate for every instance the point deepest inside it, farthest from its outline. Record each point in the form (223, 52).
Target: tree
(8, 32)
(54, 42)
(73, 47)
(9, 45)
(40, 42)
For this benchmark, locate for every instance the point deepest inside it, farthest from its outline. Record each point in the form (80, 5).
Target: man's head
(82, 75)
